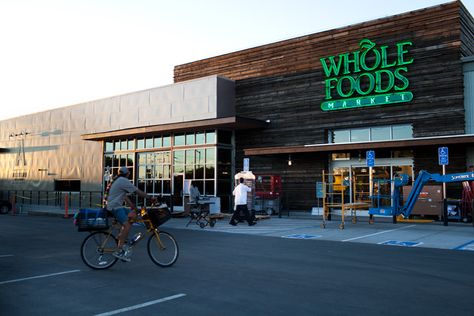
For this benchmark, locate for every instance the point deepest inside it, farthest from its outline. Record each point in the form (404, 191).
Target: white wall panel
(55, 143)
(133, 101)
(166, 94)
(151, 115)
(200, 88)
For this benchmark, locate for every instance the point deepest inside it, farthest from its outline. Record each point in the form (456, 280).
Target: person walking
(240, 204)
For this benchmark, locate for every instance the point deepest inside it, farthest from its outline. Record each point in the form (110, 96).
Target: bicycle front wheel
(97, 250)
(163, 249)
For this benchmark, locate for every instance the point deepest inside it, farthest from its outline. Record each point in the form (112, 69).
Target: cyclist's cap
(123, 170)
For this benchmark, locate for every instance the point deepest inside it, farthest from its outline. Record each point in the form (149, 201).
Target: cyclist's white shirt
(121, 187)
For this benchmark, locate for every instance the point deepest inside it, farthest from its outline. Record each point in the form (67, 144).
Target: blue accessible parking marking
(301, 236)
(400, 243)
(467, 246)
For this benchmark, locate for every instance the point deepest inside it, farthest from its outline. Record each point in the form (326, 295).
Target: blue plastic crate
(91, 219)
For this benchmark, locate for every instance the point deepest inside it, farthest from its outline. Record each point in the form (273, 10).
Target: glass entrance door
(178, 192)
(382, 186)
(365, 184)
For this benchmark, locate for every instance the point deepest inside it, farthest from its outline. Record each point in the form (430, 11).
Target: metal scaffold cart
(337, 198)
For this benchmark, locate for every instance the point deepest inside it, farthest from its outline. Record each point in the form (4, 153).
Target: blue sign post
(443, 159)
(370, 158)
(443, 156)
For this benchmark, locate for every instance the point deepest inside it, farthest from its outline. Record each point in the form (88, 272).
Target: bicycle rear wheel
(97, 250)
(163, 251)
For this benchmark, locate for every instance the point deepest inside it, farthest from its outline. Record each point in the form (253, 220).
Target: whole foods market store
(400, 86)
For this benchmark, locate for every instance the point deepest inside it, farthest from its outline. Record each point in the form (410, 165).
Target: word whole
(373, 75)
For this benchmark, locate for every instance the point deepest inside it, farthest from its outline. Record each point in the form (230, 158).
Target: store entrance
(364, 182)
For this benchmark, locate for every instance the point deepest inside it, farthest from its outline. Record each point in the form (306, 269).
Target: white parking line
(3, 256)
(126, 309)
(38, 277)
(382, 232)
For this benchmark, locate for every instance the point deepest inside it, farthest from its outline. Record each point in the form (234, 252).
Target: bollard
(66, 205)
(12, 201)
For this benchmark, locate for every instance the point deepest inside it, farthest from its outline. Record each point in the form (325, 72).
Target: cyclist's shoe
(122, 254)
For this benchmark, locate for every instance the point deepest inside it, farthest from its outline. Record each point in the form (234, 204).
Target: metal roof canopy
(404, 143)
(232, 122)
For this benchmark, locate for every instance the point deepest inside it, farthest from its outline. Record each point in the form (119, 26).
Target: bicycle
(98, 247)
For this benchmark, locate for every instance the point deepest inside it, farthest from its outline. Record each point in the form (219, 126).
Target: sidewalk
(455, 236)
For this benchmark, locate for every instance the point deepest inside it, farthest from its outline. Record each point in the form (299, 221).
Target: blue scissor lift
(401, 211)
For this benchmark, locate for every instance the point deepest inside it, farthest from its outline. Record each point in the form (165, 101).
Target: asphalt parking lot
(278, 267)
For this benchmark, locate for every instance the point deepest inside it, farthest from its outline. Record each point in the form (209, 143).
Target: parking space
(429, 235)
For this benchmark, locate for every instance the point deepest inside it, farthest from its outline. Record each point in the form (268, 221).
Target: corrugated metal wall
(42, 147)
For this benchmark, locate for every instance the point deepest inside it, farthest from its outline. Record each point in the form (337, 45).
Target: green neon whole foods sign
(367, 77)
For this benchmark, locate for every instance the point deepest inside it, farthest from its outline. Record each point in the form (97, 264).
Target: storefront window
(200, 138)
(156, 170)
(190, 156)
(189, 172)
(123, 145)
(158, 142)
(153, 171)
(380, 133)
(375, 133)
(190, 139)
(360, 135)
(200, 156)
(210, 137)
(210, 172)
(210, 156)
(402, 131)
(109, 147)
(149, 142)
(140, 143)
(166, 141)
(179, 140)
(199, 173)
(179, 157)
(343, 136)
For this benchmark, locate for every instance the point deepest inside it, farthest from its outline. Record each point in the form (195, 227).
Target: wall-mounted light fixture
(289, 160)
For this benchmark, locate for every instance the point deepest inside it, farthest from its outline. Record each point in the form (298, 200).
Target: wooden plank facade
(284, 82)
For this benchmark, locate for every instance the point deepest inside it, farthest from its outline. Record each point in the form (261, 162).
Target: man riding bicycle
(117, 195)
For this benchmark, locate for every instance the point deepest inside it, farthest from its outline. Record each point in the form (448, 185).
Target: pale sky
(56, 53)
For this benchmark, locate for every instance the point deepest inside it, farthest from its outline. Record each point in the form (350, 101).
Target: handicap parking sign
(370, 157)
(443, 156)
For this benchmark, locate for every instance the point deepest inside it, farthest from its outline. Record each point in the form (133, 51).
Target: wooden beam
(409, 143)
